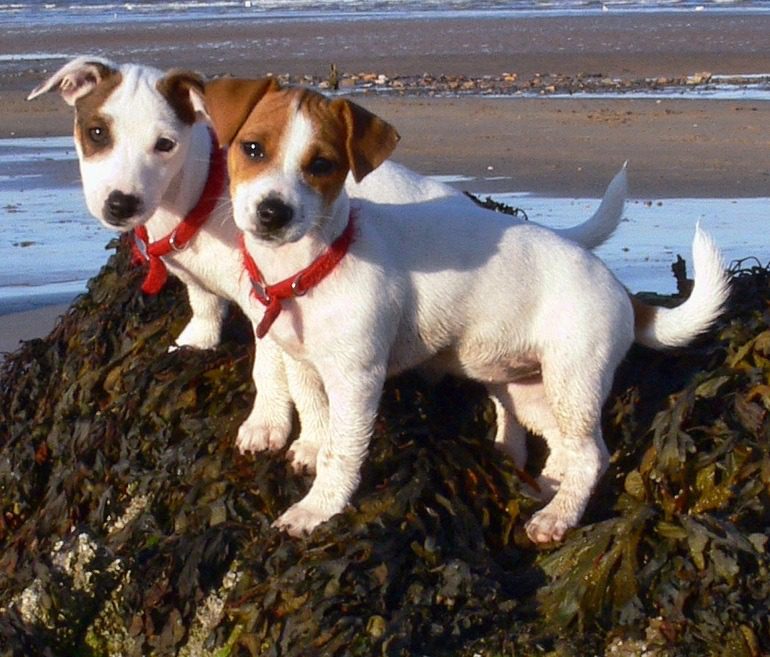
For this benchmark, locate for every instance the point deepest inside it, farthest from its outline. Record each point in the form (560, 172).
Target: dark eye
(165, 145)
(98, 134)
(253, 150)
(320, 166)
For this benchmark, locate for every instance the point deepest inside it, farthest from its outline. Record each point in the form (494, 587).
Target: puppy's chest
(210, 266)
(294, 329)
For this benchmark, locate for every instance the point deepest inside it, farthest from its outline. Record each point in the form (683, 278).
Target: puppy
(356, 291)
(148, 165)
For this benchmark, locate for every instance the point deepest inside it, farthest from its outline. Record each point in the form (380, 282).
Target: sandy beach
(554, 146)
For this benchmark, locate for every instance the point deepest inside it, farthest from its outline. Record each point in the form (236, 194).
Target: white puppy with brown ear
(357, 291)
(149, 164)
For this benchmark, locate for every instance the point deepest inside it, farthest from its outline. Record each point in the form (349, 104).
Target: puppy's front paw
(301, 519)
(198, 335)
(261, 437)
(303, 455)
(546, 527)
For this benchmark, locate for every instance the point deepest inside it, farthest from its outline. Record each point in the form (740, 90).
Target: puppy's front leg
(269, 424)
(204, 328)
(307, 390)
(354, 395)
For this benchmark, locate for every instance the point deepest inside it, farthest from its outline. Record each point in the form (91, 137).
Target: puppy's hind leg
(510, 435)
(205, 327)
(269, 424)
(578, 456)
(527, 400)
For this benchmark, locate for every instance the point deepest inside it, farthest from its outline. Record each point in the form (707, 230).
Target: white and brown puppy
(146, 160)
(539, 320)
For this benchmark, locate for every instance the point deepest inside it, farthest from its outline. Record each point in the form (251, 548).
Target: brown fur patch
(329, 143)
(264, 124)
(370, 140)
(175, 87)
(229, 101)
(88, 116)
(644, 315)
(344, 134)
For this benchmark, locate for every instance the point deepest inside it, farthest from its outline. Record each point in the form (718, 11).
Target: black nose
(119, 206)
(273, 213)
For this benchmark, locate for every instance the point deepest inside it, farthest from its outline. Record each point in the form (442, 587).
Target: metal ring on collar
(172, 243)
(295, 287)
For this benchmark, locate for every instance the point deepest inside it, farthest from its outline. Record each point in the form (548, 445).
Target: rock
(131, 526)
(698, 78)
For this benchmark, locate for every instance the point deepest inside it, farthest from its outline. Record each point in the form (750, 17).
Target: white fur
(672, 328)
(452, 288)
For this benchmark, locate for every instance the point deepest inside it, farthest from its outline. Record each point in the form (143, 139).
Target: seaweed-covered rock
(131, 526)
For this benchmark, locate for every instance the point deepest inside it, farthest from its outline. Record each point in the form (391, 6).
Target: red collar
(297, 284)
(180, 237)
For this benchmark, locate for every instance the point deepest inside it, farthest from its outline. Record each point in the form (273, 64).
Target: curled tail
(662, 328)
(600, 226)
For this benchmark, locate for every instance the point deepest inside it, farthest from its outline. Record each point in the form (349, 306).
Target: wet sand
(27, 325)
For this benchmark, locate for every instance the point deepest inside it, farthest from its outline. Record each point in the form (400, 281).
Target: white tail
(661, 328)
(600, 226)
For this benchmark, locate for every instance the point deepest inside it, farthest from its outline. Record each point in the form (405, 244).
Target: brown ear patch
(229, 101)
(175, 86)
(370, 140)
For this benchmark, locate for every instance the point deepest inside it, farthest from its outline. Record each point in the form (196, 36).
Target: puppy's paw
(303, 455)
(546, 527)
(261, 437)
(300, 519)
(198, 335)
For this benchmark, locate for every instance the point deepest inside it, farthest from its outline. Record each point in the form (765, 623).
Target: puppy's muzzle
(273, 214)
(120, 207)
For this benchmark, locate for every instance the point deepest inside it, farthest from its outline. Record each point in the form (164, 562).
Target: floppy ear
(178, 87)
(75, 79)
(229, 102)
(370, 140)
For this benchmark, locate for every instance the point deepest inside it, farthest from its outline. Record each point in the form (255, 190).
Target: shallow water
(50, 245)
(48, 12)
(654, 231)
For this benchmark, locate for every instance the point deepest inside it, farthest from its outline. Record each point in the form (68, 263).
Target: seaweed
(130, 525)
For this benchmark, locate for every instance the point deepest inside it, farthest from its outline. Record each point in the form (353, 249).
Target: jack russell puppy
(355, 291)
(148, 165)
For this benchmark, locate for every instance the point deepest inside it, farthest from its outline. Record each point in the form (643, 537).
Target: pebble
(506, 84)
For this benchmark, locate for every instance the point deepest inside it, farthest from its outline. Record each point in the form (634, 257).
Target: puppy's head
(132, 134)
(290, 151)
